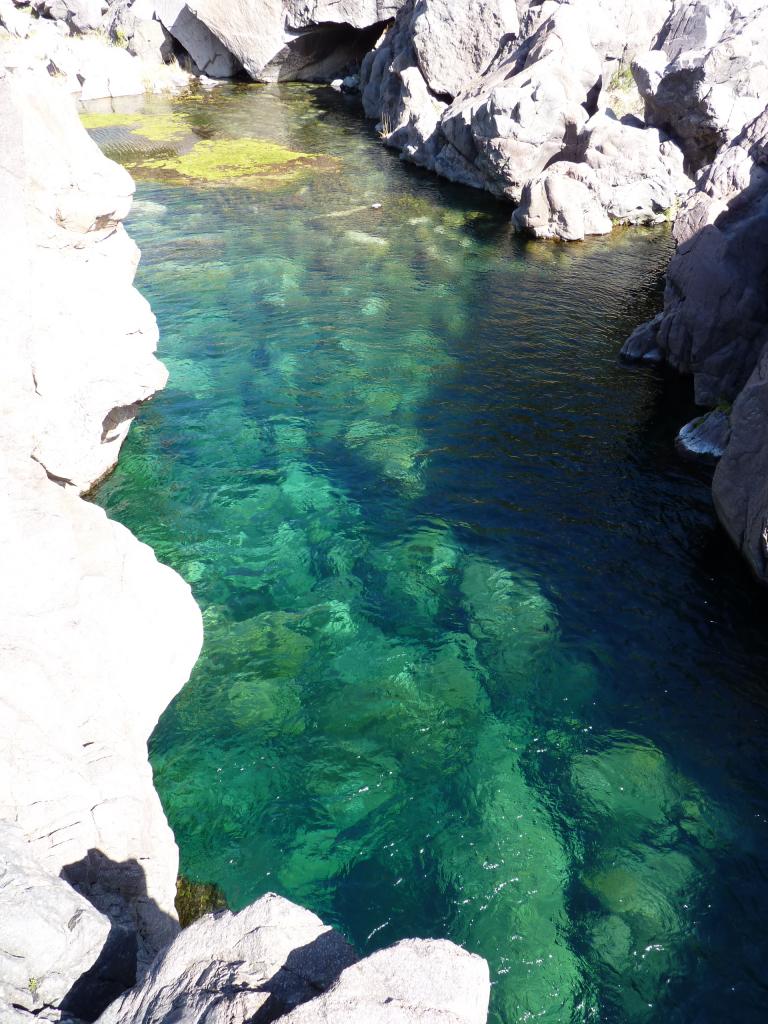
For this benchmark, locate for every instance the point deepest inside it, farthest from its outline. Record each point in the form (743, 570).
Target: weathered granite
(416, 981)
(255, 966)
(276, 961)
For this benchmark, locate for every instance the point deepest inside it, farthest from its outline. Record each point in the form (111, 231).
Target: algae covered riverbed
(478, 663)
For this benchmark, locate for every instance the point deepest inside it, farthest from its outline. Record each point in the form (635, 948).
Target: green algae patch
(247, 161)
(160, 127)
(195, 899)
(94, 121)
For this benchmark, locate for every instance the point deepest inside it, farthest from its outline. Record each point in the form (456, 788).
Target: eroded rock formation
(530, 110)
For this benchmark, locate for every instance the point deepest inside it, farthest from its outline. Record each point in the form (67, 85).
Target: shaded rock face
(715, 320)
(276, 961)
(740, 486)
(715, 326)
(708, 75)
(97, 636)
(524, 109)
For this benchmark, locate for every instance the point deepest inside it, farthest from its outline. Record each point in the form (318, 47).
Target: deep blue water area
(479, 662)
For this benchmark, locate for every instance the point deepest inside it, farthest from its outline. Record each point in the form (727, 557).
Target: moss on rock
(195, 899)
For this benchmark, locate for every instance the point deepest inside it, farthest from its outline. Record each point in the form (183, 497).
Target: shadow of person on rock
(139, 928)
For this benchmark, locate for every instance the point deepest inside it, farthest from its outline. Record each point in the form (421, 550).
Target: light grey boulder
(706, 437)
(210, 55)
(285, 39)
(625, 175)
(453, 43)
(715, 79)
(564, 202)
(81, 15)
(49, 935)
(275, 960)
(255, 965)
(416, 981)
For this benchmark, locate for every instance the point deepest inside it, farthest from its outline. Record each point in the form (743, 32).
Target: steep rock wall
(96, 635)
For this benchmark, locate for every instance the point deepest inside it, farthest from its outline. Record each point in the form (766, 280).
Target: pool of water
(478, 661)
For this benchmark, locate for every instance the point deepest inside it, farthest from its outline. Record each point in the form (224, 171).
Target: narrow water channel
(479, 663)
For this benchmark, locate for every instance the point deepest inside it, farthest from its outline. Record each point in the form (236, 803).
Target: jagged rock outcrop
(210, 55)
(525, 112)
(96, 635)
(707, 75)
(276, 961)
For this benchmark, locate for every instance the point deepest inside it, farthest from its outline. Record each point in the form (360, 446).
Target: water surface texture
(479, 663)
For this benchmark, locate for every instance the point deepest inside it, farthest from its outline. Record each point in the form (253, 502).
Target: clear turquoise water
(479, 663)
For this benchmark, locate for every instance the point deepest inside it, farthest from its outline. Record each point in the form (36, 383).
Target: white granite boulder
(49, 935)
(416, 981)
(255, 965)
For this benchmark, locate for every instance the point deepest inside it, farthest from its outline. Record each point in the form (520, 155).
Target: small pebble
(375, 206)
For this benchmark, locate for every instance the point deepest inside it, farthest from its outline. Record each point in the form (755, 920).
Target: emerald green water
(478, 661)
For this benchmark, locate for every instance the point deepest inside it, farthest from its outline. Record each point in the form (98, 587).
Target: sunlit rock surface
(97, 636)
(533, 109)
(276, 39)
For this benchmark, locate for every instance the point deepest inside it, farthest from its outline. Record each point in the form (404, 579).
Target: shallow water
(479, 663)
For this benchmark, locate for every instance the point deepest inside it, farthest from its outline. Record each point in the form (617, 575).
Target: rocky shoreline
(584, 115)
